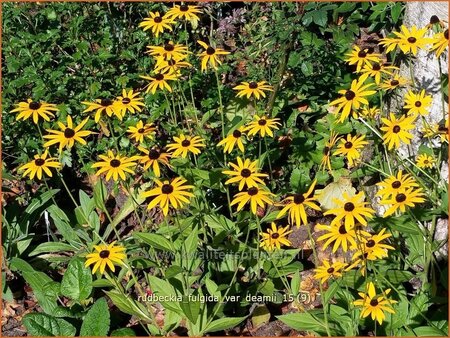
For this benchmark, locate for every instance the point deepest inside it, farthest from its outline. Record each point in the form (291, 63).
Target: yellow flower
(397, 130)
(152, 159)
(370, 112)
(210, 55)
(352, 99)
(68, 135)
(36, 109)
(169, 51)
(371, 247)
(255, 89)
(246, 173)
(171, 66)
(396, 82)
(326, 271)
(376, 70)
(411, 41)
(373, 305)
(425, 161)
(115, 166)
(129, 101)
(403, 199)
(106, 255)
(417, 103)
(296, 206)
(390, 43)
(40, 164)
(349, 209)
(255, 195)
(140, 131)
(395, 184)
(262, 125)
(169, 194)
(186, 12)
(234, 138)
(157, 23)
(274, 238)
(351, 148)
(340, 236)
(102, 106)
(325, 162)
(159, 81)
(186, 144)
(440, 43)
(360, 57)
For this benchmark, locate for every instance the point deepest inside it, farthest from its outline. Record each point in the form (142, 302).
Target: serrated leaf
(77, 280)
(41, 324)
(96, 322)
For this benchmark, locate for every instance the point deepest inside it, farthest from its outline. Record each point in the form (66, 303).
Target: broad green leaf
(77, 280)
(51, 247)
(154, 240)
(165, 289)
(191, 309)
(128, 305)
(100, 194)
(302, 321)
(62, 223)
(260, 316)
(223, 323)
(96, 322)
(123, 332)
(428, 331)
(398, 276)
(41, 324)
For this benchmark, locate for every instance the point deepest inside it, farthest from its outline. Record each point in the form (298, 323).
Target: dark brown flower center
(326, 150)
(157, 19)
(153, 154)
(171, 62)
(184, 8)
(373, 302)
(349, 206)
(141, 130)
(434, 19)
(400, 198)
(348, 145)
(69, 133)
(126, 100)
(252, 191)
(246, 172)
(237, 134)
(104, 254)
(114, 163)
(210, 51)
(396, 129)
(443, 128)
(169, 47)
(446, 34)
(106, 102)
(39, 162)
(376, 66)
(362, 54)
(396, 184)
(394, 83)
(159, 77)
(262, 122)
(34, 105)
(342, 230)
(275, 235)
(185, 143)
(330, 270)
(253, 85)
(350, 95)
(299, 198)
(412, 39)
(418, 104)
(370, 243)
(167, 189)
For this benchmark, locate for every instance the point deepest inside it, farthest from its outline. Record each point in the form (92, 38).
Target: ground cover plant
(222, 168)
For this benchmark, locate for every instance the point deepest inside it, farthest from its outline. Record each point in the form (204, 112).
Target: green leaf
(333, 288)
(62, 223)
(100, 194)
(191, 242)
(396, 10)
(428, 331)
(398, 276)
(128, 305)
(41, 324)
(301, 321)
(190, 308)
(77, 280)
(165, 289)
(260, 316)
(223, 323)
(51, 247)
(123, 332)
(96, 322)
(295, 283)
(154, 240)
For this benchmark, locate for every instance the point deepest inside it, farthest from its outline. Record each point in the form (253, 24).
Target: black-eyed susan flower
(373, 305)
(245, 173)
(341, 237)
(396, 130)
(153, 158)
(168, 51)
(166, 194)
(171, 66)
(39, 165)
(129, 101)
(157, 23)
(115, 166)
(425, 161)
(35, 109)
(361, 57)
(159, 80)
(102, 106)
(401, 200)
(325, 162)
(440, 43)
(352, 99)
(372, 245)
(141, 130)
(210, 56)
(351, 209)
(68, 134)
(255, 195)
(186, 12)
(253, 88)
(296, 206)
(370, 112)
(395, 184)
(236, 137)
(186, 144)
(106, 255)
(351, 147)
(417, 103)
(262, 125)
(275, 237)
(375, 71)
(412, 40)
(327, 270)
(389, 43)
(395, 82)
